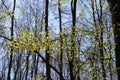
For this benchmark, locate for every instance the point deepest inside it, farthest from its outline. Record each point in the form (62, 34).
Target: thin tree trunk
(96, 39)
(18, 66)
(71, 56)
(12, 36)
(27, 65)
(47, 42)
(61, 40)
(101, 42)
(36, 66)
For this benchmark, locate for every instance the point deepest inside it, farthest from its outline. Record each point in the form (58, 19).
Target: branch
(6, 8)
(49, 64)
(5, 37)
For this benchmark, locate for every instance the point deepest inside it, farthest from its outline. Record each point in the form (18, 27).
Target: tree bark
(47, 43)
(101, 41)
(115, 11)
(12, 34)
(27, 65)
(61, 39)
(72, 53)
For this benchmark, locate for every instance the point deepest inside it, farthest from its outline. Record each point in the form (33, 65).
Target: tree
(47, 42)
(71, 57)
(115, 11)
(60, 40)
(12, 37)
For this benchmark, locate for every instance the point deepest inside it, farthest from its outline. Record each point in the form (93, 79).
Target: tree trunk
(72, 53)
(18, 66)
(115, 11)
(27, 65)
(61, 39)
(101, 41)
(47, 43)
(12, 34)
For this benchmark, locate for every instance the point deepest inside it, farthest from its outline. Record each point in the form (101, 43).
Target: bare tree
(12, 37)
(47, 42)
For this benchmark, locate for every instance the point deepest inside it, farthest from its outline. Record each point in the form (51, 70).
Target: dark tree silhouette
(115, 11)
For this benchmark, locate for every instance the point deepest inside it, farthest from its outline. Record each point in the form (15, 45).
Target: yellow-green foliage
(25, 40)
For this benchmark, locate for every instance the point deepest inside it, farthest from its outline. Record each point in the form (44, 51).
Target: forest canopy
(59, 40)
